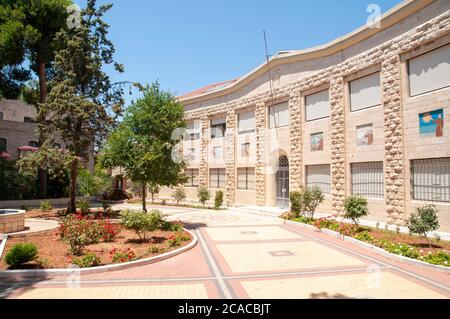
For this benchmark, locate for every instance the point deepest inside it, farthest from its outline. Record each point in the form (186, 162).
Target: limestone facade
(414, 27)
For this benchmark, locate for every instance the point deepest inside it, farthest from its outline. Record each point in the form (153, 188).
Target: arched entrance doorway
(282, 181)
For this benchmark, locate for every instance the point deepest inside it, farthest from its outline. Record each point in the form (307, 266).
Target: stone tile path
(240, 255)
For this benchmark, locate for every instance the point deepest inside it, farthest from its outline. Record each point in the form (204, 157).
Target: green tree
(203, 195)
(28, 30)
(424, 220)
(143, 143)
(83, 103)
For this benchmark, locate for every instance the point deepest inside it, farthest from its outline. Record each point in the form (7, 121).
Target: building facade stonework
(411, 29)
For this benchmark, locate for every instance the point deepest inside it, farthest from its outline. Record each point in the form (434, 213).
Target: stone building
(18, 130)
(367, 113)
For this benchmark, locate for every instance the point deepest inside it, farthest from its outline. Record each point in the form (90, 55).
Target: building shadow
(9, 286)
(326, 295)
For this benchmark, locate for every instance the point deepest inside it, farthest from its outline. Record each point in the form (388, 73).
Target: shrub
(355, 208)
(122, 256)
(25, 208)
(84, 206)
(401, 249)
(347, 229)
(296, 203)
(20, 254)
(46, 206)
(203, 195)
(79, 231)
(306, 201)
(179, 194)
(176, 226)
(142, 223)
(176, 239)
(43, 263)
(439, 258)
(326, 222)
(424, 220)
(218, 200)
(91, 259)
(156, 250)
(364, 236)
(109, 230)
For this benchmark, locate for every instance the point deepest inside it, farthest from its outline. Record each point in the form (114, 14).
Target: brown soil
(57, 214)
(51, 248)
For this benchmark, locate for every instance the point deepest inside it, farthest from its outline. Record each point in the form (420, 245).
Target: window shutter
(365, 92)
(317, 105)
(429, 71)
(247, 122)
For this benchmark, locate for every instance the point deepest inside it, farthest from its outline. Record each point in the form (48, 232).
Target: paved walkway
(247, 256)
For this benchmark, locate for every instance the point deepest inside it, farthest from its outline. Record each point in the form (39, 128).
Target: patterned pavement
(241, 255)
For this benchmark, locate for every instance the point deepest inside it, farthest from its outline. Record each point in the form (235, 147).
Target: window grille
(192, 174)
(246, 178)
(430, 179)
(319, 175)
(217, 178)
(367, 179)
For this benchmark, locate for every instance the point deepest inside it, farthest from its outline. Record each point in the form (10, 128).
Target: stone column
(230, 158)
(203, 171)
(393, 140)
(338, 177)
(295, 162)
(260, 170)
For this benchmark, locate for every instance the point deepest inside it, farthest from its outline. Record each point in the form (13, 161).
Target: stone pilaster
(393, 140)
(260, 170)
(295, 162)
(338, 176)
(230, 158)
(203, 171)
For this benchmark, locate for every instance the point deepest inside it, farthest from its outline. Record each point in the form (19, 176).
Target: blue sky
(187, 44)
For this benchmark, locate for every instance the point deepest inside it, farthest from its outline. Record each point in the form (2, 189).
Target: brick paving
(249, 256)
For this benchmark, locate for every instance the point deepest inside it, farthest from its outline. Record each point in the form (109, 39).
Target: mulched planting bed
(56, 252)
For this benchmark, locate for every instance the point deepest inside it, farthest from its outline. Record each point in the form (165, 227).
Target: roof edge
(389, 18)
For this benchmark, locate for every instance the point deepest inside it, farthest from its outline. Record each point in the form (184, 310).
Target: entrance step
(261, 210)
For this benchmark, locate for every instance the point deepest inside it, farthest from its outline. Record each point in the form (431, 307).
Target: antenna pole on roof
(268, 66)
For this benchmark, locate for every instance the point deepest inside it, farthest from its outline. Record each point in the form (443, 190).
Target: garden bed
(56, 253)
(57, 214)
(406, 245)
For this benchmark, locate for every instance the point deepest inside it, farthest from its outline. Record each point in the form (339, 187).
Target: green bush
(203, 195)
(355, 208)
(80, 232)
(46, 206)
(439, 258)
(91, 259)
(401, 249)
(84, 206)
(20, 254)
(306, 201)
(179, 194)
(424, 220)
(96, 184)
(142, 223)
(296, 203)
(364, 236)
(218, 200)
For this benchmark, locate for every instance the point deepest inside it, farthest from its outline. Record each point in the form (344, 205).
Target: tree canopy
(144, 141)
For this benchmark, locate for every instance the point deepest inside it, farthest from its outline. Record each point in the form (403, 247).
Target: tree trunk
(153, 198)
(42, 173)
(72, 208)
(144, 197)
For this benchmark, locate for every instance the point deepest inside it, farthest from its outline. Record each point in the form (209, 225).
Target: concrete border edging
(377, 250)
(3, 244)
(20, 274)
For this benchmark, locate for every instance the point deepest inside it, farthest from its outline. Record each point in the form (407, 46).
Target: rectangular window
(192, 132)
(317, 105)
(3, 144)
(1, 116)
(247, 122)
(319, 175)
(192, 174)
(217, 178)
(246, 178)
(28, 120)
(190, 154)
(367, 179)
(218, 127)
(217, 152)
(245, 150)
(279, 115)
(430, 179)
(365, 92)
(430, 71)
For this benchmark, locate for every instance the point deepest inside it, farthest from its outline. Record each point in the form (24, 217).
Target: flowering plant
(118, 255)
